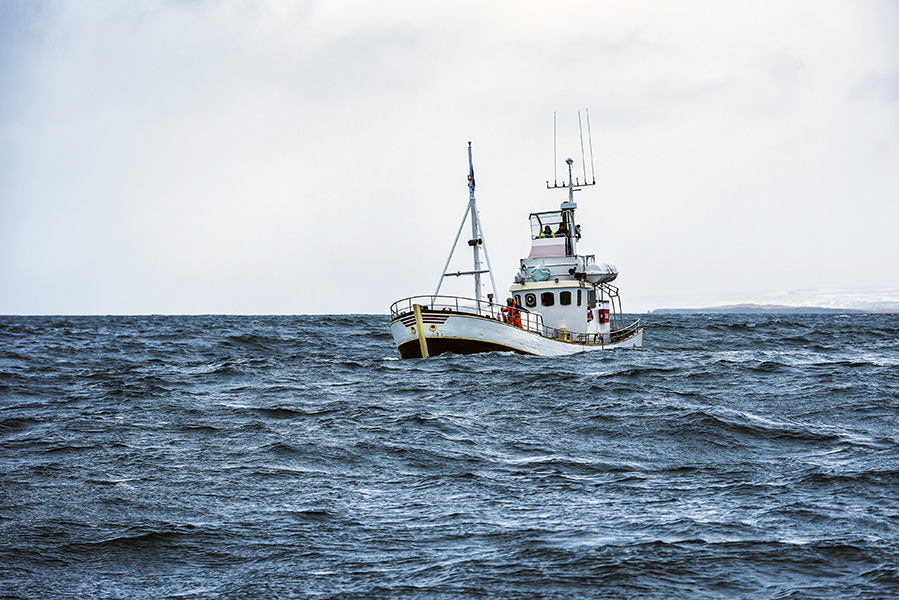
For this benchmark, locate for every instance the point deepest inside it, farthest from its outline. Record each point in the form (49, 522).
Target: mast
(477, 240)
(573, 184)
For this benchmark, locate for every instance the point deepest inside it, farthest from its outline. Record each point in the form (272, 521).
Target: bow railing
(530, 321)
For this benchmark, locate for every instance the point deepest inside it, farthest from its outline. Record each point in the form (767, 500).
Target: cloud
(228, 156)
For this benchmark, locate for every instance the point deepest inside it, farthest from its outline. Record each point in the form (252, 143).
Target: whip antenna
(590, 139)
(581, 131)
(555, 161)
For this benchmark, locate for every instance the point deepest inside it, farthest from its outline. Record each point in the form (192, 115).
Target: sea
(194, 457)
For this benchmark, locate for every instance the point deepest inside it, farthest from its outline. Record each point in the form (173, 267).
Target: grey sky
(281, 157)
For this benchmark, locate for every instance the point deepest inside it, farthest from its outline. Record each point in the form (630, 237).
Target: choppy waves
(268, 457)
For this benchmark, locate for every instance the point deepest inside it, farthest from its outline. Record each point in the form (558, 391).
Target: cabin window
(579, 297)
(591, 297)
(540, 221)
(565, 298)
(518, 299)
(530, 300)
(547, 299)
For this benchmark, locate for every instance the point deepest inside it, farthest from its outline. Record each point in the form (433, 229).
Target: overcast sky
(311, 157)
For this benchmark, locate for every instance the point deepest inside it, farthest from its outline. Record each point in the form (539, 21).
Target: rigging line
(453, 249)
(486, 254)
(590, 138)
(581, 131)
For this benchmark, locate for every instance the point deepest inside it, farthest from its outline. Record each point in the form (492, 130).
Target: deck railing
(469, 306)
(532, 322)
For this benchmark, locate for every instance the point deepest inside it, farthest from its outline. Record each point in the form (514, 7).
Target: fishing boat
(560, 302)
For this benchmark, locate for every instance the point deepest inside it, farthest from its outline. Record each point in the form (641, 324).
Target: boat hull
(462, 333)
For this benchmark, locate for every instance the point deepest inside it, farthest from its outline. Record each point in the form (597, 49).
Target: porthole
(565, 298)
(530, 300)
(432, 327)
(547, 299)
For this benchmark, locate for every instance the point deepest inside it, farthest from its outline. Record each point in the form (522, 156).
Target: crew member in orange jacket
(512, 313)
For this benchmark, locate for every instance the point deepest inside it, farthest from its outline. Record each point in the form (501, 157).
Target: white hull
(461, 333)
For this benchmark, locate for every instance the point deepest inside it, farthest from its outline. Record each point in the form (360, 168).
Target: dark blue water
(297, 457)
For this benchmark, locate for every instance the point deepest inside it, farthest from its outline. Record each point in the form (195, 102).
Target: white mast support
(571, 186)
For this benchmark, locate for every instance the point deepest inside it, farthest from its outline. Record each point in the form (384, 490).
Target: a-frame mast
(477, 240)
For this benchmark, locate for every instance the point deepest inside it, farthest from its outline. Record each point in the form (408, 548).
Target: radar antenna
(574, 184)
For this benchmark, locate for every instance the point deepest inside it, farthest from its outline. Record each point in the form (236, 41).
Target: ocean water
(189, 457)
